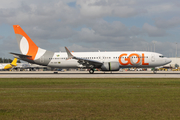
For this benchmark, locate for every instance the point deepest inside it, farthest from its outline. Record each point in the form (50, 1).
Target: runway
(85, 74)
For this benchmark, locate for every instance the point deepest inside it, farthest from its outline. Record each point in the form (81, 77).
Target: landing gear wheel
(91, 71)
(154, 71)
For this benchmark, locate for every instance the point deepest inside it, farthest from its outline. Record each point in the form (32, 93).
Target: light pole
(151, 47)
(176, 57)
(176, 50)
(154, 45)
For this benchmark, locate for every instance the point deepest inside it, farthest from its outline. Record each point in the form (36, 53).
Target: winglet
(69, 53)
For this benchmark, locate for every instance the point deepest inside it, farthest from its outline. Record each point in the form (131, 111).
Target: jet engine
(110, 66)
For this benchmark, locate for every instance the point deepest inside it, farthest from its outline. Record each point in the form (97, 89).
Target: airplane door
(42, 59)
(152, 57)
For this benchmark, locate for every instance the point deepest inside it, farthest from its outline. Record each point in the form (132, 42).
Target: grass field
(89, 99)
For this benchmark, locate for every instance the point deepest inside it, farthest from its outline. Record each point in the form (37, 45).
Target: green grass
(89, 99)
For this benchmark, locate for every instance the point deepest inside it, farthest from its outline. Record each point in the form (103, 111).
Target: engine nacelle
(110, 66)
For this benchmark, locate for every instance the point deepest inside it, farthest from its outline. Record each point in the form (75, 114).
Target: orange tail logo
(27, 46)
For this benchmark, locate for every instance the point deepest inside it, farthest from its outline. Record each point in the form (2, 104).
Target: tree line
(6, 60)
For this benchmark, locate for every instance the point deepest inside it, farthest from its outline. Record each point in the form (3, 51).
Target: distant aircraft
(28, 66)
(4, 66)
(105, 61)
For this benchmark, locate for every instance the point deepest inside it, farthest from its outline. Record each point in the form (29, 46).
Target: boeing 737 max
(105, 61)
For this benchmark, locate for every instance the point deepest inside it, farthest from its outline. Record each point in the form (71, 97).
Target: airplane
(8, 66)
(28, 67)
(105, 61)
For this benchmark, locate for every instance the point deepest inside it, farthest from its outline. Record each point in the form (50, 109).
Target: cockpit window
(161, 56)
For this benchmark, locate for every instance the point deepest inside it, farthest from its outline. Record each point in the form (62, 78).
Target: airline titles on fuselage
(124, 59)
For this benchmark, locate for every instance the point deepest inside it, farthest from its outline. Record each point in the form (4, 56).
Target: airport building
(175, 63)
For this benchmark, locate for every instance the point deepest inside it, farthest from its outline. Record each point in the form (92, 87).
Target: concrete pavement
(85, 74)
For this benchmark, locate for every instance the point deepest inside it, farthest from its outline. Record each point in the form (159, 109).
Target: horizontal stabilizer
(16, 55)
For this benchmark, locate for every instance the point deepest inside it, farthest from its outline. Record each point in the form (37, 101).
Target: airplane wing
(84, 62)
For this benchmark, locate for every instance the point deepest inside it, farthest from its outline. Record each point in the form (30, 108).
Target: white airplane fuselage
(137, 59)
(2, 66)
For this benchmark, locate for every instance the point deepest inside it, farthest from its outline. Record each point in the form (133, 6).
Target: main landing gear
(91, 71)
(154, 70)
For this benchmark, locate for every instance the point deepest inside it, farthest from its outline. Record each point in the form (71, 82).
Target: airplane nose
(168, 60)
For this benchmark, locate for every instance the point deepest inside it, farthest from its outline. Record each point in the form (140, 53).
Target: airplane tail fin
(26, 45)
(14, 62)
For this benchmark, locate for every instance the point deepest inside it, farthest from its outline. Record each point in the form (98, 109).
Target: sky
(92, 25)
